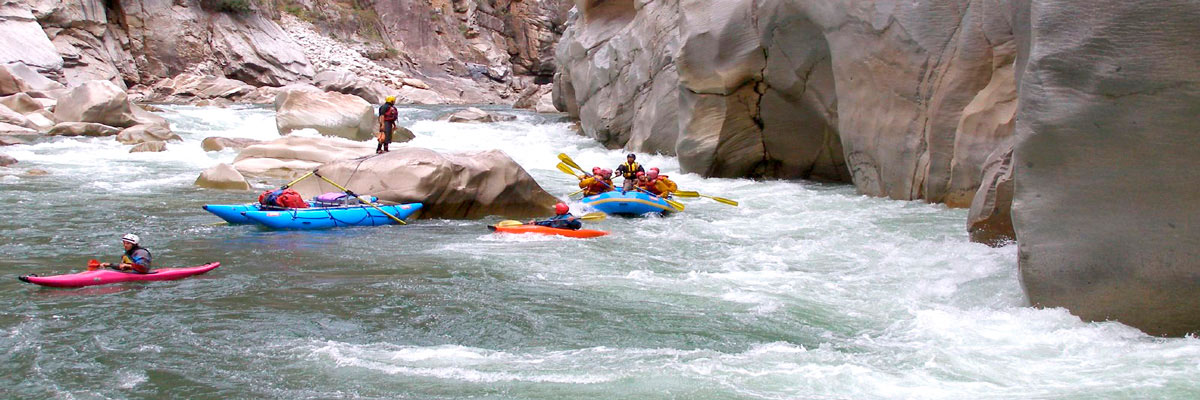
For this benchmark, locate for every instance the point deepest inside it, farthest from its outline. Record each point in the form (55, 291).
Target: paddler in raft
(659, 184)
(629, 171)
(563, 219)
(136, 258)
(598, 182)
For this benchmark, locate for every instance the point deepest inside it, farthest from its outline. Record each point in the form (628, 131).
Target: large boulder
(82, 129)
(6, 160)
(217, 143)
(21, 103)
(9, 116)
(291, 156)
(10, 141)
(139, 134)
(188, 88)
(1105, 161)
(149, 147)
(329, 113)
(96, 101)
(347, 82)
(457, 186)
(222, 176)
(18, 77)
(15, 130)
(475, 115)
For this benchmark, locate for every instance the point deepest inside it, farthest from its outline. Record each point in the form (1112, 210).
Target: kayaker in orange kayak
(136, 258)
(561, 220)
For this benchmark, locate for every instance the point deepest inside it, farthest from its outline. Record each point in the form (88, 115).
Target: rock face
(24, 41)
(224, 177)
(347, 82)
(100, 102)
(291, 156)
(217, 143)
(990, 219)
(790, 89)
(187, 88)
(457, 186)
(1104, 162)
(333, 114)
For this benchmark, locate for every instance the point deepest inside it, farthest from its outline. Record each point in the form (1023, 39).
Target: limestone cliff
(457, 51)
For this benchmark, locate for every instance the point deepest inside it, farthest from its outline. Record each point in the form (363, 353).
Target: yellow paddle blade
(566, 170)
(594, 216)
(686, 193)
(567, 159)
(218, 223)
(723, 200)
(510, 223)
(572, 194)
(677, 205)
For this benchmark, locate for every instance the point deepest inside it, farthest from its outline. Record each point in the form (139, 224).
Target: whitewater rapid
(805, 290)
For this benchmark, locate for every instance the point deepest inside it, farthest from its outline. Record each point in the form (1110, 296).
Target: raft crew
(136, 258)
(659, 184)
(629, 171)
(561, 220)
(387, 123)
(599, 182)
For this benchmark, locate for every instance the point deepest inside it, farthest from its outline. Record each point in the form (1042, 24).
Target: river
(806, 290)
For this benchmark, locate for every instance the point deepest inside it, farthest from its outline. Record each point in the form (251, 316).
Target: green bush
(234, 6)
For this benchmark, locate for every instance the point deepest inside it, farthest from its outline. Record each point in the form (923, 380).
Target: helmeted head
(561, 208)
(606, 173)
(631, 157)
(641, 176)
(390, 99)
(596, 170)
(131, 239)
(655, 169)
(653, 174)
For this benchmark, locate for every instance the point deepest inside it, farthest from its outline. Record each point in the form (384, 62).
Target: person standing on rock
(387, 123)
(629, 171)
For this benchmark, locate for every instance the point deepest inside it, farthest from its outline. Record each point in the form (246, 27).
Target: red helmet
(607, 173)
(641, 174)
(653, 174)
(596, 170)
(654, 169)
(561, 209)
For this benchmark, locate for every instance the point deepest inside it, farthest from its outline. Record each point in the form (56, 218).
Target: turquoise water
(805, 291)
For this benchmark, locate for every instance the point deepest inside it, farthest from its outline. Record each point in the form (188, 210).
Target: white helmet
(131, 238)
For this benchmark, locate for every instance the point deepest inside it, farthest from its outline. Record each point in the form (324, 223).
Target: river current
(806, 290)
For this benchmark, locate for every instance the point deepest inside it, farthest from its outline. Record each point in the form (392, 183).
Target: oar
(567, 159)
(302, 177)
(393, 217)
(592, 216)
(567, 170)
(691, 193)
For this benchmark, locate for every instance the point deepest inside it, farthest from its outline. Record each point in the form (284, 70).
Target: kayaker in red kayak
(561, 220)
(136, 258)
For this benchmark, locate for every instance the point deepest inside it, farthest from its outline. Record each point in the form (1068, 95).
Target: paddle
(692, 193)
(592, 216)
(93, 265)
(289, 184)
(393, 217)
(567, 159)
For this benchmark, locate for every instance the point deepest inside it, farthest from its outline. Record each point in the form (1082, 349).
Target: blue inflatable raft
(232, 213)
(628, 203)
(331, 217)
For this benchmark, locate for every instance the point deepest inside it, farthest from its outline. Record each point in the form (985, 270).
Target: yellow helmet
(391, 99)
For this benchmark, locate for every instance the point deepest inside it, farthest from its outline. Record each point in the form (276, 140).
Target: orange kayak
(545, 230)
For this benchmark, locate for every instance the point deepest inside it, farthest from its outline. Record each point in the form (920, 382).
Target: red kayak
(107, 276)
(545, 230)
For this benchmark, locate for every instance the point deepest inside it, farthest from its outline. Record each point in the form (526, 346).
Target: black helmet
(631, 155)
